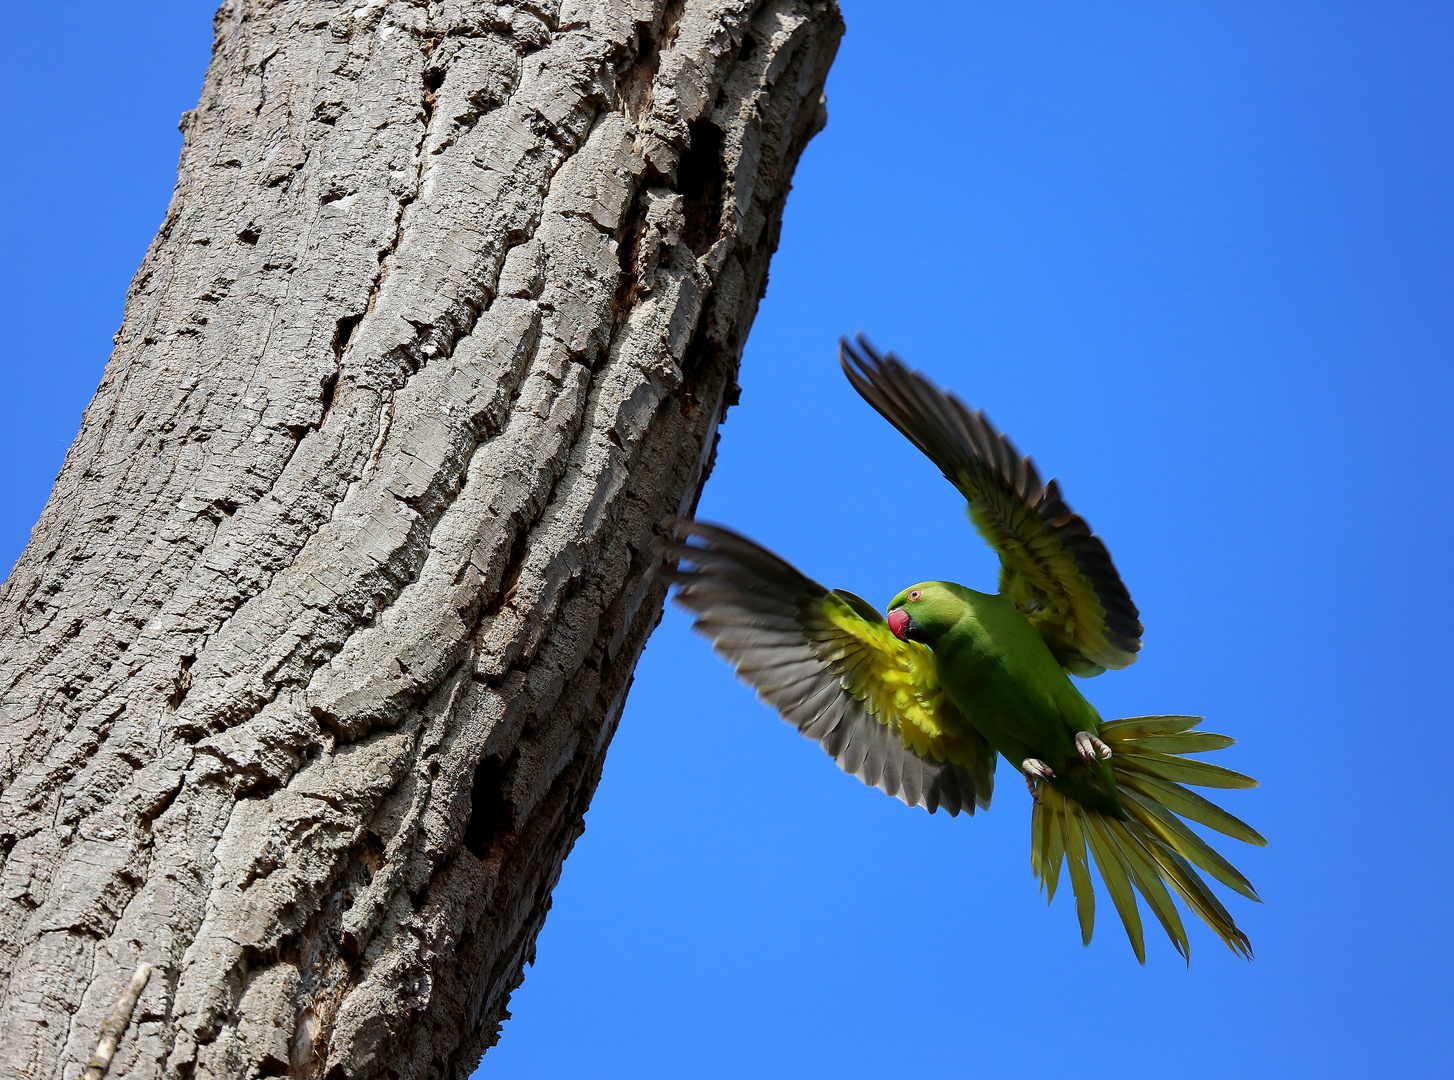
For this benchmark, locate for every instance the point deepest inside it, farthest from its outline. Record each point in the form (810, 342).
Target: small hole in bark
(513, 569)
(343, 334)
(183, 683)
(628, 251)
(490, 811)
(328, 112)
(370, 858)
(702, 352)
(700, 179)
(249, 236)
(433, 80)
(330, 384)
(749, 46)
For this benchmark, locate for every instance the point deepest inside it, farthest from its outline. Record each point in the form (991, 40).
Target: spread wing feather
(1052, 567)
(829, 664)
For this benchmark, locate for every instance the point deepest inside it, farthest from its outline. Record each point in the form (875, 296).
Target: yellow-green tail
(1152, 852)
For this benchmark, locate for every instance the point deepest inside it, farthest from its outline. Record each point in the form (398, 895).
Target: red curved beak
(898, 622)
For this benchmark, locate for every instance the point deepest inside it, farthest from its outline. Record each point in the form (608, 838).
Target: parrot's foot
(1091, 748)
(1035, 770)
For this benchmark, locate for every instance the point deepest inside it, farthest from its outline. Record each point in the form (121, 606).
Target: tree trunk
(311, 663)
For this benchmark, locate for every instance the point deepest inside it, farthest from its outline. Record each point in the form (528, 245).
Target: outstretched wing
(829, 664)
(1052, 567)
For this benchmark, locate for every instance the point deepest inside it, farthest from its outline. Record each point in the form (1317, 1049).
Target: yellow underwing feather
(1134, 727)
(1150, 851)
(1039, 841)
(1190, 742)
(1080, 881)
(1190, 805)
(1055, 851)
(1179, 769)
(1113, 868)
(1149, 884)
(1186, 843)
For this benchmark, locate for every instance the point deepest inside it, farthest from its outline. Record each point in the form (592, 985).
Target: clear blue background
(1196, 258)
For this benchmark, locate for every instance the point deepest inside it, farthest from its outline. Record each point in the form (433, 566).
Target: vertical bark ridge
(310, 666)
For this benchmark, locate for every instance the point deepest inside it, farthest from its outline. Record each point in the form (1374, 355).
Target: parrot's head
(924, 612)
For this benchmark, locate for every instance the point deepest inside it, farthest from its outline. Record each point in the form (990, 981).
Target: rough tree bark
(310, 666)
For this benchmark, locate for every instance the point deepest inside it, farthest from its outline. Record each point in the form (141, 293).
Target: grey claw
(1036, 768)
(1090, 747)
(1033, 769)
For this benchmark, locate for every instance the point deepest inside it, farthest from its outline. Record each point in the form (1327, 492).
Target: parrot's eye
(914, 594)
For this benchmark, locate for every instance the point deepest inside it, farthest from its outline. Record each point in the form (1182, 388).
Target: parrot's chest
(1006, 685)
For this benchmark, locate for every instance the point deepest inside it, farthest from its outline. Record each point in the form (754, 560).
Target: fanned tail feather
(1152, 852)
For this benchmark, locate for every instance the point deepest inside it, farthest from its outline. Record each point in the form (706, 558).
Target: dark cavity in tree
(700, 178)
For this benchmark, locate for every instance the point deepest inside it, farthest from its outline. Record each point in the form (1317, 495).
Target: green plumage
(1008, 685)
(921, 704)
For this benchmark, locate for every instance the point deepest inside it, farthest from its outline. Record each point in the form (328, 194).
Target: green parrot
(922, 702)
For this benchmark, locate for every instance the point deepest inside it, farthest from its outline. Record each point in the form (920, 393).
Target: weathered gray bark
(310, 666)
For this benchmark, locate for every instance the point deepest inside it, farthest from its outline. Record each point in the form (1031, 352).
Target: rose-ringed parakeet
(921, 703)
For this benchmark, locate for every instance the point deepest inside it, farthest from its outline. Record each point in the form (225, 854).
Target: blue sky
(1196, 259)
